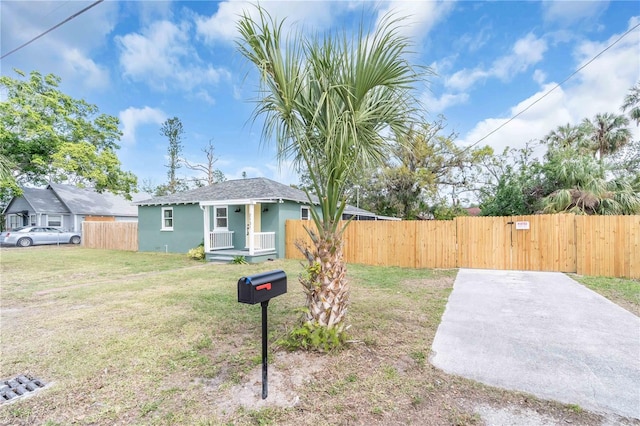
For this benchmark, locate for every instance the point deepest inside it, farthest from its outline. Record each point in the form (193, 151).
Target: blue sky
(146, 61)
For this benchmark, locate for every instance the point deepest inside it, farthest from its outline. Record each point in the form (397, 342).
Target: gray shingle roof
(43, 200)
(239, 189)
(88, 202)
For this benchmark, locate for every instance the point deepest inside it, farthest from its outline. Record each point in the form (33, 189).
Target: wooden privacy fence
(587, 245)
(110, 235)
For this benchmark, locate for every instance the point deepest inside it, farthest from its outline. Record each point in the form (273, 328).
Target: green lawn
(624, 292)
(157, 339)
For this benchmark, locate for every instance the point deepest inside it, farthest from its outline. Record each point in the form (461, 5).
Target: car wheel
(75, 240)
(24, 242)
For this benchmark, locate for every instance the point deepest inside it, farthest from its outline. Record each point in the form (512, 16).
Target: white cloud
(421, 16)
(162, 56)
(435, 105)
(539, 76)
(525, 52)
(66, 51)
(221, 26)
(94, 75)
(133, 117)
(464, 79)
(567, 12)
(598, 88)
(473, 42)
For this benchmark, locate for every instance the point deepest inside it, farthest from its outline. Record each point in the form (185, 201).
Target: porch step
(220, 257)
(228, 256)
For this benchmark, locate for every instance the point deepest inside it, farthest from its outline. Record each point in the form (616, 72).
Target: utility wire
(552, 89)
(53, 28)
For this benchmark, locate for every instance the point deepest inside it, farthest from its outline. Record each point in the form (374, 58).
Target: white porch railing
(219, 240)
(263, 241)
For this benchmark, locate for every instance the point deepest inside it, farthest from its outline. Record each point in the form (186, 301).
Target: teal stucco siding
(187, 233)
(188, 225)
(287, 210)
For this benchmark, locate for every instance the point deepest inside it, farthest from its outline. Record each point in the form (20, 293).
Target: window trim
(308, 209)
(215, 218)
(13, 219)
(163, 227)
(49, 225)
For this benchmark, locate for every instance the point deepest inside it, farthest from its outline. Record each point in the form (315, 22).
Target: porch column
(207, 230)
(251, 228)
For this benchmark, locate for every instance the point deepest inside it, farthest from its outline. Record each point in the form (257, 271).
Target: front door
(257, 212)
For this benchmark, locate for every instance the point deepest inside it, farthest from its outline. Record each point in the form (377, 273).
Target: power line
(53, 28)
(552, 89)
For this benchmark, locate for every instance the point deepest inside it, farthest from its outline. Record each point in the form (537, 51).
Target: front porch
(229, 255)
(221, 248)
(257, 242)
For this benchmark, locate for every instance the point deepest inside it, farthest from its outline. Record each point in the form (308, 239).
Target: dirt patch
(286, 377)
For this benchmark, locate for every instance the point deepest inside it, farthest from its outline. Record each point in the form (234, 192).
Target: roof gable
(41, 201)
(88, 202)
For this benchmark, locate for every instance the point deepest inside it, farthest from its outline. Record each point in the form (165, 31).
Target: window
(32, 220)
(14, 221)
(304, 213)
(221, 216)
(167, 219)
(54, 220)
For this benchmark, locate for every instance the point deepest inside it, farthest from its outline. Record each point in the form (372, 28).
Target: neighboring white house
(67, 206)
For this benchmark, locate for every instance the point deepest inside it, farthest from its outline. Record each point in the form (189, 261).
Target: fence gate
(532, 243)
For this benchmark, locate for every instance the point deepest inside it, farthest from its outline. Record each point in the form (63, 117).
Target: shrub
(239, 260)
(196, 253)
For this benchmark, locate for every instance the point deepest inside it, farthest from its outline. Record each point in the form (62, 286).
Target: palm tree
(632, 103)
(608, 133)
(583, 188)
(329, 102)
(569, 136)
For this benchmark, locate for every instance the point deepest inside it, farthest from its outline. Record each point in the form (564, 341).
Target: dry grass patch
(155, 339)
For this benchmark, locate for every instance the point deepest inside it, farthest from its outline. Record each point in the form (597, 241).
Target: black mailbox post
(261, 288)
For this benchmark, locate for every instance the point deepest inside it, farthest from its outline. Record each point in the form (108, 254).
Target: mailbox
(262, 287)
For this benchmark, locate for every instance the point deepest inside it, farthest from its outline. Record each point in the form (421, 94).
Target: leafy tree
(329, 102)
(446, 212)
(625, 163)
(632, 103)
(569, 178)
(48, 136)
(422, 167)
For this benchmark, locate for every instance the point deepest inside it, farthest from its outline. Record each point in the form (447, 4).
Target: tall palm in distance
(330, 102)
(569, 136)
(608, 133)
(632, 103)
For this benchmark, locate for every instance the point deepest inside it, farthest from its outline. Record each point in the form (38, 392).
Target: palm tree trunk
(325, 284)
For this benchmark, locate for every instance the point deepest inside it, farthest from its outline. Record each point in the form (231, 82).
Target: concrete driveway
(541, 333)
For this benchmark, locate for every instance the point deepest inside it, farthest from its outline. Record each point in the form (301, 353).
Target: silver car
(32, 235)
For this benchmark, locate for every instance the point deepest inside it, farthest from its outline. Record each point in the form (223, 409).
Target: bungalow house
(237, 217)
(67, 206)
